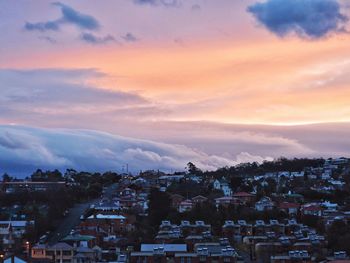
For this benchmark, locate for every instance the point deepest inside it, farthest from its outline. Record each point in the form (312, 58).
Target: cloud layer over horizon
(25, 149)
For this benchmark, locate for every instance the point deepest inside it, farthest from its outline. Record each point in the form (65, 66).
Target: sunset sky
(159, 83)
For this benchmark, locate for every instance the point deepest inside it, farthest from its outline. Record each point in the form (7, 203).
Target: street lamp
(28, 249)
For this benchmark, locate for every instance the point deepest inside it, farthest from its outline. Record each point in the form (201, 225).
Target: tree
(338, 236)
(192, 169)
(6, 178)
(159, 206)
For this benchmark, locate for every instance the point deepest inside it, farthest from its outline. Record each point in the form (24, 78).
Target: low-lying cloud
(24, 149)
(306, 18)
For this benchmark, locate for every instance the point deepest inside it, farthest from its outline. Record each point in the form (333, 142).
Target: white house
(223, 186)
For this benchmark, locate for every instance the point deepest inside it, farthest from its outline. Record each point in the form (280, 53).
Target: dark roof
(61, 246)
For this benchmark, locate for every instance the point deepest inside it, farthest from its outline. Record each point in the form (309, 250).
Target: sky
(158, 83)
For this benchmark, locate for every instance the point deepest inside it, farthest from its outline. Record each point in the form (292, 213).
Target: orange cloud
(266, 81)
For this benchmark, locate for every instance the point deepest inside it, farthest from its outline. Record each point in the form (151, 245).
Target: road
(72, 219)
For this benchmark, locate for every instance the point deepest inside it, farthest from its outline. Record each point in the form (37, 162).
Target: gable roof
(61, 246)
(199, 197)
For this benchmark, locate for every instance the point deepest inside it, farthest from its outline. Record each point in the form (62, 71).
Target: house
(289, 208)
(217, 185)
(38, 252)
(77, 240)
(60, 252)
(185, 205)
(244, 197)
(264, 204)
(115, 223)
(226, 201)
(312, 209)
(85, 255)
(223, 186)
(63, 252)
(167, 232)
(199, 199)
(198, 228)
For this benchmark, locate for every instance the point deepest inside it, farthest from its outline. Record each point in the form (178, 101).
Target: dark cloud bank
(306, 18)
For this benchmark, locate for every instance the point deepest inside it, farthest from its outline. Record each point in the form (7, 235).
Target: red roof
(286, 205)
(199, 197)
(243, 194)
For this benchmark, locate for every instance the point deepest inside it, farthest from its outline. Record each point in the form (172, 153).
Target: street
(73, 217)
